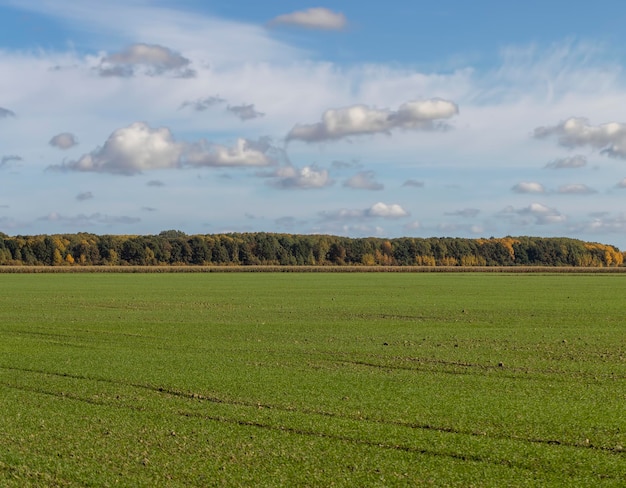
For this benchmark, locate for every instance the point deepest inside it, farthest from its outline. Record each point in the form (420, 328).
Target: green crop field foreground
(313, 379)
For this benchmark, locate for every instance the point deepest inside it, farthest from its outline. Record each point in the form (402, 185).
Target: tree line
(174, 247)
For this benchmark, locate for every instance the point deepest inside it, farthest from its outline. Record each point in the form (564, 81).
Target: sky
(384, 119)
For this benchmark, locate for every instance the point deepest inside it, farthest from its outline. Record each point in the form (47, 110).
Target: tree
(133, 252)
(337, 254)
(200, 252)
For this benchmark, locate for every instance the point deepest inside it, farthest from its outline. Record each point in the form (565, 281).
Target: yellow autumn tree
(57, 259)
(425, 260)
(472, 260)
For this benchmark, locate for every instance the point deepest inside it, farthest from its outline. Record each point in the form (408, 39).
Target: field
(312, 379)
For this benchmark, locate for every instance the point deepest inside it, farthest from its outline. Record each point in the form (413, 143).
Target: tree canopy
(174, 247)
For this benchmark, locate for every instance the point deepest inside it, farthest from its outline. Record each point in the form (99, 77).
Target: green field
(316, 379)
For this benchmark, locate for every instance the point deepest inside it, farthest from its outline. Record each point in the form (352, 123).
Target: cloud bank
(244, 153)
(362, 120)
(609, 138)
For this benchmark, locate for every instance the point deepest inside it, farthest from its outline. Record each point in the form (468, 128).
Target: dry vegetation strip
(310, 269)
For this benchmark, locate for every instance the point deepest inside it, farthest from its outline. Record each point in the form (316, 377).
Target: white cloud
(378, 210)
(129, 151)
(362, 120)
(414, 114)
(542, 214)
(577, 161)
(609, 138)
(304, 178)
(363, 180)
(622, 183)
(65, 140)
(244, 153)
(393, 211)
(313, 18)
(528, 187)
(577, 188)
(152, 58)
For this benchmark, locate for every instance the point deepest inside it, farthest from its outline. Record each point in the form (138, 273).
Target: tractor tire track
(286, 409)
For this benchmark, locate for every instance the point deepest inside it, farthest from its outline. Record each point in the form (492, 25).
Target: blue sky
(403, 118)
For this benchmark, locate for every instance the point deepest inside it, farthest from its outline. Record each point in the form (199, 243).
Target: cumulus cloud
(6, 113)
(378, 210)
(245, 112)
(384, 210)
(202, 104)
(413, 183)
(528, 187)
(577, 161)
(83, 220)
(577, 189)
(129, 151)
(363, 120)
(289, 177)
(151, 59)
(87, 195)
(468, 213)
(65, 140)
(244, 153)
(609, 138)
(364, 180)
(313, 18)
(541, 214)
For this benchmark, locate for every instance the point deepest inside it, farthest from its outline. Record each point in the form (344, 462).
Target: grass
(314, 379)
